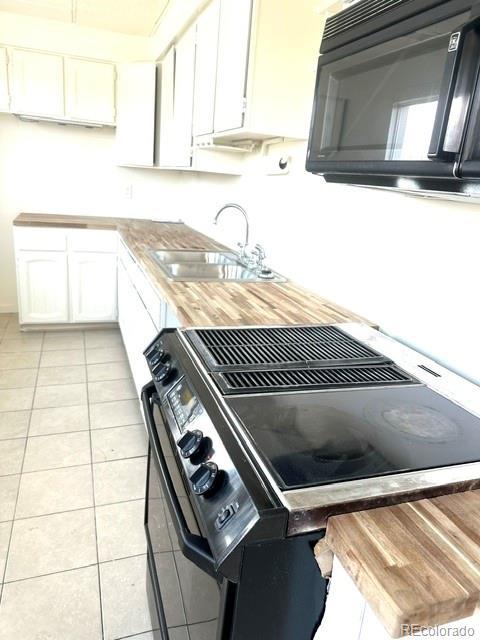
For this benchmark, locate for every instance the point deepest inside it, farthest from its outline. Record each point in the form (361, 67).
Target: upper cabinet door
(233, 48)
(90, 91)
(135, 133)
(183, 97)
(36, 81)
(165, 133)
(206, 69)
(4, 93)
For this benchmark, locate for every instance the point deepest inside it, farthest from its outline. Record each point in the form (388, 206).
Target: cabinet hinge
(244, 105)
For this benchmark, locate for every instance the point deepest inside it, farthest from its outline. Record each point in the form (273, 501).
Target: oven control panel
(222, 501)
(221, 497)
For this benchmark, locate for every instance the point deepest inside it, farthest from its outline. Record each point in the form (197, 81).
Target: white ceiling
(135, 17)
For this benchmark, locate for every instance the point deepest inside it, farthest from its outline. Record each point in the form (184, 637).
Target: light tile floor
(72, 485)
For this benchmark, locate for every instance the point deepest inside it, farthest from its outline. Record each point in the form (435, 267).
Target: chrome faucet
(232, 205)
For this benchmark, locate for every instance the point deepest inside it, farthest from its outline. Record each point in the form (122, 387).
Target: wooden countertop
(205, 303)
(416, 563)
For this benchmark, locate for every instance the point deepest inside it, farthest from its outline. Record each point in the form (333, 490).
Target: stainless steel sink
(197, 257)
(186, 265)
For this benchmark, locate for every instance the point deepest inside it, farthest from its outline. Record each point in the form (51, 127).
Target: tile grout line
(71, 466)
(99, 582)
(57, 513)
(18, 487)
(83, 566)
(65, 406)
(66, 433)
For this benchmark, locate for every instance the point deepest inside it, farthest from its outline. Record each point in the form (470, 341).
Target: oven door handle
(456, 91)
(193, 547)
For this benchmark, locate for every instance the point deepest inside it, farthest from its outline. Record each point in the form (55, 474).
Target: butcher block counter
(416, 564)
(204, 303)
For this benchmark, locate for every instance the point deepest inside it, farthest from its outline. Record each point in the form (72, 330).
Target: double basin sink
(187, 265)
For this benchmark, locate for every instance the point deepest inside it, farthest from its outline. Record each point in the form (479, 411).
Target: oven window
(190, 597)
(380, 104)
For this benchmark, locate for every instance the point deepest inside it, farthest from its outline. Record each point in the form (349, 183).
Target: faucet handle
(243, 249)
(259, 251)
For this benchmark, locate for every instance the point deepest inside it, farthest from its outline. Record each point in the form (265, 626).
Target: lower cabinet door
(43, 286)
(93, 287)
(137, 328)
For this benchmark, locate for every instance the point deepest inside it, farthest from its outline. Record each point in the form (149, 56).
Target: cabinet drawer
(40, 239)
(97, 240)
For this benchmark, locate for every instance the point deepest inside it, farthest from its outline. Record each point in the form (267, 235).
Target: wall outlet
(128, 192)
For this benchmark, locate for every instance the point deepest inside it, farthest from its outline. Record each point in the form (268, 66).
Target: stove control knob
(163, 369)
(205, 480)
(190, 443)
(155, 356)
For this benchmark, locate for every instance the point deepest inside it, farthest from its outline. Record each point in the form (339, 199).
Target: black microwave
(397, 101)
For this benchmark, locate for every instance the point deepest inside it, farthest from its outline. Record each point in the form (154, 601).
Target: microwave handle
(451, 78)
(193, 546)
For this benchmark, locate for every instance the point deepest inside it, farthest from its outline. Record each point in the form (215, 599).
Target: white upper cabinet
(93, 287)
(60, 88)
(183, 97)
(135, 134)
(4, 93)
(166, 138)
(264, 69)
(89, 91)
(232, 61)
(174, 143)
(36, 81)
(206, 69)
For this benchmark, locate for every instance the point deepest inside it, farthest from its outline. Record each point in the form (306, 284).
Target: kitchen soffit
(133, 17)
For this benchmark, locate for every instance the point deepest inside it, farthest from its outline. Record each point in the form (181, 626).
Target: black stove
(272, 429)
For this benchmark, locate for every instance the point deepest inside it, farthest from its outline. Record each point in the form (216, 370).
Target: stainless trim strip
(311, 507)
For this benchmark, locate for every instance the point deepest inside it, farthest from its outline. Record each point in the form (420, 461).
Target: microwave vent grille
(358, 13)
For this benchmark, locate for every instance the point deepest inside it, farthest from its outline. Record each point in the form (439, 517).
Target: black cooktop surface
(317, 438)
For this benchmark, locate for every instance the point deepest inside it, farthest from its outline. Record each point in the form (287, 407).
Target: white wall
(408, 264)
(70, 39)
(50, 168)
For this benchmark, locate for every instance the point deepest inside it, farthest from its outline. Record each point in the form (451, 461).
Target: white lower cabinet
(136, 325)
(43, 286)
(93, 287)
(66, 276)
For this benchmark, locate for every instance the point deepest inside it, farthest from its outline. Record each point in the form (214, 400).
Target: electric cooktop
(320, 406)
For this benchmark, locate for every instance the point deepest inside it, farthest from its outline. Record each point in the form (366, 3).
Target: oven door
(187, 597)
(396, 103)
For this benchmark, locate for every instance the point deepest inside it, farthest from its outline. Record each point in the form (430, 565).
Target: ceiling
(134, 17)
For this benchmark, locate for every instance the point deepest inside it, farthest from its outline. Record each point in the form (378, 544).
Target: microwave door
(375, 108)
(458, 86)
(463, 130)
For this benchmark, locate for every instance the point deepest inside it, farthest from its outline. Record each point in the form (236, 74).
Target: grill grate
(299, 379)
(269, 335)
(227, 349)
(278, 354)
